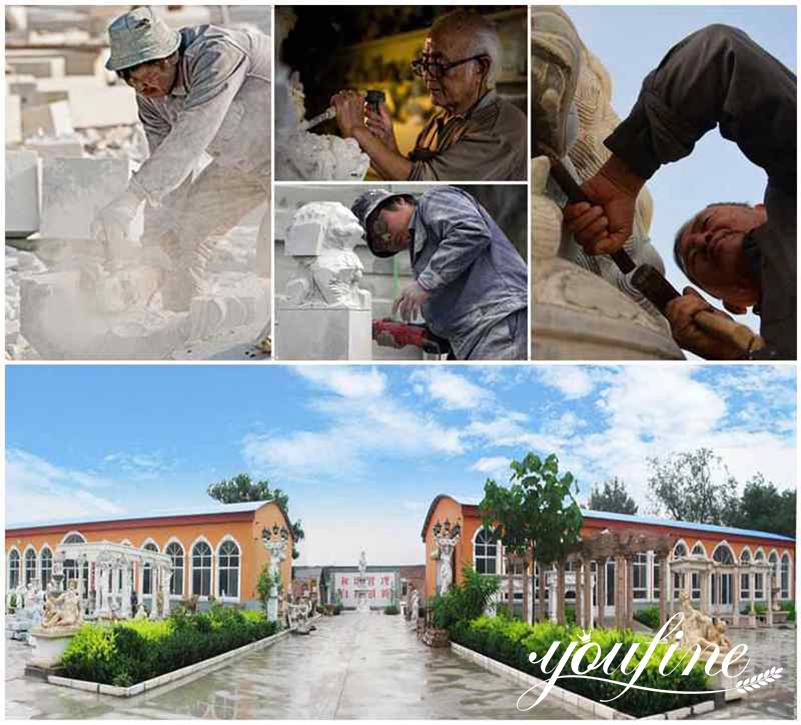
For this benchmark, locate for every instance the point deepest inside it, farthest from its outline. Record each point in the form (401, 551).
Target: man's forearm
(390, 164)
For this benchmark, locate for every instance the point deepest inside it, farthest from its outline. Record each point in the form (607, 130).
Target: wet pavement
(766, 648)
(354, 666)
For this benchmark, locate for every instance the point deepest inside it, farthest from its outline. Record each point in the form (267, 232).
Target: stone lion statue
(329, 276)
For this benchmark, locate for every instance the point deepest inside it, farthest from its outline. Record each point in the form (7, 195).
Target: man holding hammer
(744, 256)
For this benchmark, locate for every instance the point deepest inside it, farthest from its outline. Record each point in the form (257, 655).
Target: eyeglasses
(436, 69)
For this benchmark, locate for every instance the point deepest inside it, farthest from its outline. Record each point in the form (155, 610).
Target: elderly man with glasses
(470, 283)
(477, 136)
(201, 92)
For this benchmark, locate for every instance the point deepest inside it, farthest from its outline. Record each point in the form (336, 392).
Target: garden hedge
(511, 642)
(126, 653)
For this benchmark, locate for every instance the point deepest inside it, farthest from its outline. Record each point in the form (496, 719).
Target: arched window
(201, 569)
(773, 560)
(785, 576)
(759, 577)
(176, 552)
(657, 581)
(745, 578)
(485, 552)
(13, 569)
(698, 550)
(30, 566)
(723, 555)
(70, 565)
(680, 550)
(639, 568)
(147, 571)
(46, 566)
(228, 570)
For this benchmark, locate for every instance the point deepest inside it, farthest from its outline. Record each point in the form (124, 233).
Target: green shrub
(759, 609)
(788, 607)
(465, 601)
(649, 616)
(126, 653)
(392, 609)
(511, 642)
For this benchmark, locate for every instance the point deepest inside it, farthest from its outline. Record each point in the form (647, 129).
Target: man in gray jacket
(744, 256)
(470, 282)
(202, 91)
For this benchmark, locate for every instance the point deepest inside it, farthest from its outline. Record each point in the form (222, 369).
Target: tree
(242, 488)
(764, 508)
(693, 486)
(613, 497)
(503, 513)
(551, 511)
(537, 510)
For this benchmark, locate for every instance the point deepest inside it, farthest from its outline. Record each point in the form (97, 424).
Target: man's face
(460, 87)
(153, 80)
(712, 250)
(389, 228)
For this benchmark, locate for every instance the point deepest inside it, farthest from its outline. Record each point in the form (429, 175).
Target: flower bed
(511, 642)
(126, 653)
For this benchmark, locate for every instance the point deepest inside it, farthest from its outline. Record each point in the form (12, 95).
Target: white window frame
(228, 598)
(174, 540)
(486, 556)
(192, 592)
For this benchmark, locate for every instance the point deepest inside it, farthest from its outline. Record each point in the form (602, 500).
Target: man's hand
(603, 228)
(689, 335)
(112, 225)
(350, 111)
(380, 125)
(410, 301)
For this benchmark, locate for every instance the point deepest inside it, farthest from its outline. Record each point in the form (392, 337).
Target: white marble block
(52, 119)
(13, 119)
(323, 334)
(98, 107)
(22, 193)
(74, 190)
(306, 240)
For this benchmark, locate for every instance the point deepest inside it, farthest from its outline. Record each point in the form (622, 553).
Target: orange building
(216, 550)
(730, 551)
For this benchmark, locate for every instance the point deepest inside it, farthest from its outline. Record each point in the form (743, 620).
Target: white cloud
(494, 467)
(346, 381)
(37, 490)
(572, 381)
(451, 390)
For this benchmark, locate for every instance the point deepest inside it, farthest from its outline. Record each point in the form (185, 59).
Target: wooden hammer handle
(729, 331)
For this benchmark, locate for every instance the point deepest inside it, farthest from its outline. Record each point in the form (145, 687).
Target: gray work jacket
(474, 274)
(720, 77)
(220, 105)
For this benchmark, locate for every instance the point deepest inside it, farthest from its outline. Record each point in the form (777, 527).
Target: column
(769, 592)
(588, 593)
(126, 589)
(560, 592)
(140, 584)
(577, 568)
(669, 584)
(735, 596)
(751, 603)
(600, 588)
(664, 575)
(98, 595)
(166, 591)
(629, 591)
(705, 591)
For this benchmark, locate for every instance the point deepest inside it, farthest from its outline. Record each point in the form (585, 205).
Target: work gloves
(112, 225)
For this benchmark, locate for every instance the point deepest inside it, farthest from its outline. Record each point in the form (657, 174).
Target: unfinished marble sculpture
(322, 237)
(583, 307)
(65, 610)
(301, 155)
(700, 629)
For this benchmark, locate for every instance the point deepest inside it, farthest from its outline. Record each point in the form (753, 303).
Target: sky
(363, 450)
(631, 41)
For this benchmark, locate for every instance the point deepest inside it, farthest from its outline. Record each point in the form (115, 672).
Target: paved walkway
(766, 648)
(354, 666)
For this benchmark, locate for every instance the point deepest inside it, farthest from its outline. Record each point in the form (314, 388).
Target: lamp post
(446, 538)
(275, 540)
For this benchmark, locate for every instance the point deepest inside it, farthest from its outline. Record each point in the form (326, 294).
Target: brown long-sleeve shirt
(487, 143)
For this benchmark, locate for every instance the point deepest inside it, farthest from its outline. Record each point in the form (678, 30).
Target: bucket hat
(140, 37)
(364, 207)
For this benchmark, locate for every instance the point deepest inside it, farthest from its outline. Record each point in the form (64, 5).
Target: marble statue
(415, 605)
(64, 610)
(445, 574)
(141, 612)
(583, 306)
(321, 237)
(299, 154)
(701, 629)
(362, 564)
